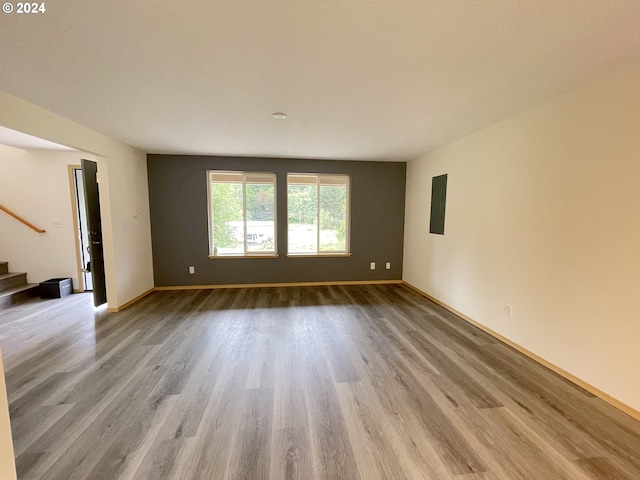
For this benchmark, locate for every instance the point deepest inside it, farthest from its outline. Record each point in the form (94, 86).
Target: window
(317, 213)
(242, 213)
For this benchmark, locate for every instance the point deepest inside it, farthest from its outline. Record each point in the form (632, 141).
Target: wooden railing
(20, 219)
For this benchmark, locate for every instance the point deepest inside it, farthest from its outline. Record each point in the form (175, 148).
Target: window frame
(247, 253)
(318, 252)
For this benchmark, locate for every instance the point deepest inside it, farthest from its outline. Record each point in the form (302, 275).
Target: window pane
(226, 212)
(333, 218)
(261, 232)
(302, 212)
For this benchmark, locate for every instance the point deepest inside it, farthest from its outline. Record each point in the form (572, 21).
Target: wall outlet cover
(507, 310)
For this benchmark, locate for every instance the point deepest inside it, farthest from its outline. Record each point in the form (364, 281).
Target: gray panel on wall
(438, 204)
(179, 222)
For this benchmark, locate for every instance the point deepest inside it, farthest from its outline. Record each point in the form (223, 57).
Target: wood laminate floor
(313, 383)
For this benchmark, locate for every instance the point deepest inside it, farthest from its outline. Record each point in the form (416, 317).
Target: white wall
(123, 189)
(543, 213)
(35, 185)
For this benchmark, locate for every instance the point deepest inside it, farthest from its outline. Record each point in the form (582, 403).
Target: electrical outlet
(387, 265)
(192, 269)
(507, 310)
(372, 266)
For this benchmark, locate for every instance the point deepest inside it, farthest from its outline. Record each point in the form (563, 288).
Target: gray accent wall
(179, 224)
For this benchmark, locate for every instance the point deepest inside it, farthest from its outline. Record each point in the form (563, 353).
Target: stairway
(14, 287)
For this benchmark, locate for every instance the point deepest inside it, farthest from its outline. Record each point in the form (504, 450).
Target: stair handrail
(20, 219)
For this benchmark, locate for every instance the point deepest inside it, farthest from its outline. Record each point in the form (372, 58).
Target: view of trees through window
(317, 213)
(242, 213)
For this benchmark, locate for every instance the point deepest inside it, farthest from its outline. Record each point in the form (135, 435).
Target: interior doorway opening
(82, 230)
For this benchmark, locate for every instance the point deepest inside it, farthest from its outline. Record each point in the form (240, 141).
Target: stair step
(19, 294)
(4, 267)
(11, 280)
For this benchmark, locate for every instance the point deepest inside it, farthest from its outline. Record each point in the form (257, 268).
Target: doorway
(88, 227)
(82, 230)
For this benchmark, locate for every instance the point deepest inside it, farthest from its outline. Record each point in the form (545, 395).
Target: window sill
(323, 254)
(216, 257)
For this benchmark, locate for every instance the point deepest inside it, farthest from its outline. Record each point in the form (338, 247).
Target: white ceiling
(368, 79)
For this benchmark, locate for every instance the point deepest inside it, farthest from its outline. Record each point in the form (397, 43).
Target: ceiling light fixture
(279, 115)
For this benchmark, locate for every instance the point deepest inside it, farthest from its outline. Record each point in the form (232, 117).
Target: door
(92, 199)
(82, 244)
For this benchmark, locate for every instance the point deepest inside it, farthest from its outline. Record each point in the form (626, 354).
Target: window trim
(347, 239)
(247, 254)
(237, 255)
(318, 255)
